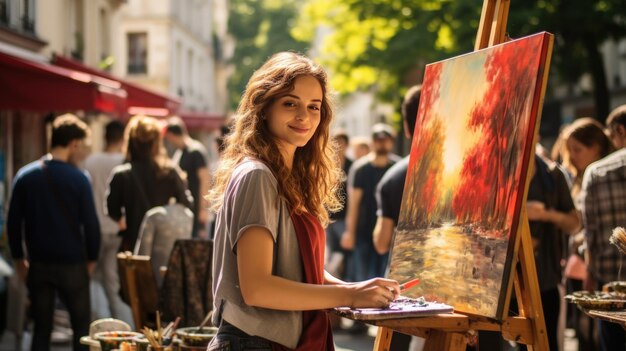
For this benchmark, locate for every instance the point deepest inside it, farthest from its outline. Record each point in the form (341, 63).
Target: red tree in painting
(422, 188)
(490, 174)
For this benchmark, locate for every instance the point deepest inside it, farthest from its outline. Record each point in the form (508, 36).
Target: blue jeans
(231, 338)
(366, 262)
(334, 231)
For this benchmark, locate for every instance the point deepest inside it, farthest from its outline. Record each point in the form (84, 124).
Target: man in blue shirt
(52, 215)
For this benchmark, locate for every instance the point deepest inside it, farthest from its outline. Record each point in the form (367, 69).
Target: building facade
(118, 53)
(19, 37)
(168, 45)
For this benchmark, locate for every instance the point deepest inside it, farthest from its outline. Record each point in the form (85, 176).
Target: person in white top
(99, 166)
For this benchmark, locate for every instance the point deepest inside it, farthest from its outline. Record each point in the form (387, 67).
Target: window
(104, 34)
(28, 16)
(4, 12)
(77, 29)
(137, 53)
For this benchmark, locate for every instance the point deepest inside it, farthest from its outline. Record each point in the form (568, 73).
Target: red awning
(34, 86)
(138, 97)
(201, 120)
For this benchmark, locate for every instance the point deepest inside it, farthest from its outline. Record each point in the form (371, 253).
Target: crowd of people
(290, 198)
(71, 212)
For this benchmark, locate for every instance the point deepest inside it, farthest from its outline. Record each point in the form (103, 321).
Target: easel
(449, 331)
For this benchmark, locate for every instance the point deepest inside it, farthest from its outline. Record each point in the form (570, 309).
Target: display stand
(450, 331)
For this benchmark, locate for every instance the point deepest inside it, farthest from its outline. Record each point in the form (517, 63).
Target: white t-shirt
(99, 165)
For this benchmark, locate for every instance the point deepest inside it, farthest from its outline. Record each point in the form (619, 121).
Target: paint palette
(598, 300)
(402, 307)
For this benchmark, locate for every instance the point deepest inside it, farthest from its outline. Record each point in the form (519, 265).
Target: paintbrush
(170, 330)
(150, 336)
(158, 325)
(204, 322)
(407, 285)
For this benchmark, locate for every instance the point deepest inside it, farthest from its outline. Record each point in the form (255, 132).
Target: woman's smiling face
(293, 118)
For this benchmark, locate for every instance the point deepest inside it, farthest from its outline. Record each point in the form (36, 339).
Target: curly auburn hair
(311, 185)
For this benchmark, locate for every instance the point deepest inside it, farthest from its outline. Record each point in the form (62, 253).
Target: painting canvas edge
(538, 99)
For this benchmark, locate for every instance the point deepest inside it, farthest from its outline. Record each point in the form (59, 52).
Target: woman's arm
(348, 239)
(330, 279)
(262, 289)
(383, 232)
(183, 195)
(569, 222)
(114, 197)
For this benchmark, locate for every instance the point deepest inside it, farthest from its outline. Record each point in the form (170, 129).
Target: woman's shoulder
(250, 167)
(124, 168)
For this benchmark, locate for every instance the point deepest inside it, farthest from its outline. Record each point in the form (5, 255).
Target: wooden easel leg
(484, 27)
(131, 284)
(530, 300)
(501, 15)
(492, 26)
(441, 340)
(383, 339)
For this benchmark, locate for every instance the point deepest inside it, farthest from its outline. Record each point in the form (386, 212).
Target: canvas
(467, 175)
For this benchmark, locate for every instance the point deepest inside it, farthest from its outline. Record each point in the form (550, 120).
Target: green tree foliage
(260, 28)
(386, 43)
(580, 29)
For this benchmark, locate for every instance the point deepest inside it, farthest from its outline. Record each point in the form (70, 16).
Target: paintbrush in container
(169, 332)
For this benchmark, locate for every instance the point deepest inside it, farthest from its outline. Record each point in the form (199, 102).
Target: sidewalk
(343, 340)
(9, 343)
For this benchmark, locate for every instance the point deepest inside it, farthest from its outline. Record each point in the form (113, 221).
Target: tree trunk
(600, 89)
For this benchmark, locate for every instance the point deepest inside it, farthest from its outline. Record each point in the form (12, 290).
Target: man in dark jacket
(52, 212)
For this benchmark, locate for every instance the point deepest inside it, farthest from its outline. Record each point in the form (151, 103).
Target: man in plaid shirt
(604, 208)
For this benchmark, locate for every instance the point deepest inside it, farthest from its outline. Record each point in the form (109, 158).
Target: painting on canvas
(467, 174)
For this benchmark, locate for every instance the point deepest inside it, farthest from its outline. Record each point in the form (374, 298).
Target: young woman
(585, 142)
(274, 187)
(147, 179)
